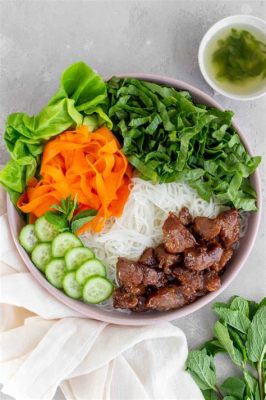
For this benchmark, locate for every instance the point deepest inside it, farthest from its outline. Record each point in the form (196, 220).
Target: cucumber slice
(45, 231)
(88, 269)
(41, 255)
(64, 242)
(71, 286)
(97, 289)
(75, 257)
(28, 238)
(55, 272)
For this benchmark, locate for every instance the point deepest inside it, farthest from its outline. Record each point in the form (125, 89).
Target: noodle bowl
(140, 226)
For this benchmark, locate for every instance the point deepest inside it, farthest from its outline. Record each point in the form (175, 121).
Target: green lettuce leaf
(80, 83)
(169, 138)
(81, 98)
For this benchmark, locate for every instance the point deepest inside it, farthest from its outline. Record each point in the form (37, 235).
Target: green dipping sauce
(236, 60)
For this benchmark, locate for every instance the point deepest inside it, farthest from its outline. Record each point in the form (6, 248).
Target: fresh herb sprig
(63, 217)
(241, 333)
(67, 207)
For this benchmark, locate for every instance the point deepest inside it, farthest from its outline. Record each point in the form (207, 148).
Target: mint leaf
(252, 386)
(234, 318)
(257, 393)
(262, 303)
(210, 395)
(256, 336)
(223, 336)
(201, 367)
(201, 384)
(85, 213)
(221, 305)
(234, 387)
(241, 305)
(253, 308)
(67, 207)
(213, 347)
(241, 333)
(57, 220)
(238, 342)
(79, 222)
(251, 383)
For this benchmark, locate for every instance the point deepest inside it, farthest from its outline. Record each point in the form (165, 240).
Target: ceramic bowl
(233, 21)
(125, 318)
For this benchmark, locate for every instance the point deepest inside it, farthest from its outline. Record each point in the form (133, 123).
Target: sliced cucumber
(88, 269)
(55, 272)
(28, 238)
(71, 286)
(97, 289)
(75, 257)
(41, 255)
(45, 231)
(64, 242)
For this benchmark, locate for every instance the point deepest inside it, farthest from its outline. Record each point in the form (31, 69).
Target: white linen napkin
(44, 344)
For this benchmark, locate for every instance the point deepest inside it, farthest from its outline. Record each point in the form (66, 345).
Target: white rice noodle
(141, 223)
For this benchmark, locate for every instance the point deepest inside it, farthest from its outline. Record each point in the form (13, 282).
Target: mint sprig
(67, 207)
(241, 333)
(66, 210)
(82, 218)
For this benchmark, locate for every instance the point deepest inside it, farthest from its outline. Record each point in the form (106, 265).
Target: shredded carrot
(90, 165)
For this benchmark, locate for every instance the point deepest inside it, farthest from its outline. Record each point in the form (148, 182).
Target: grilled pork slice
(148, 257)
(200, 258)
(176, 236)
(230, 227)
(123, 299)
(166, 260)
(206, 228)
(226, 256)
(166, 298)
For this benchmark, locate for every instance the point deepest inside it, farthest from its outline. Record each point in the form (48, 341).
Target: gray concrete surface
(38, 39)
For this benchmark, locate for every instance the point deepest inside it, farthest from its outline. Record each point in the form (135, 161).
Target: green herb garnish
(66, 209)
(241, 333)
(168, 138)
(82, 218)
(240, 56)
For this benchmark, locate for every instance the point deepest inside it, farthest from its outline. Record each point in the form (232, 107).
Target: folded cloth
(44, 345)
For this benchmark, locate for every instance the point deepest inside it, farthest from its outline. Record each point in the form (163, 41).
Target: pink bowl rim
(121, 318)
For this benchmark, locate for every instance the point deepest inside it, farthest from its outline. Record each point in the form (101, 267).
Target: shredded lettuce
(167, 138)
(81, 98)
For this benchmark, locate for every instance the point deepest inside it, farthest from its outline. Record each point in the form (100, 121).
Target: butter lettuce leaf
(82, 84)
(81, 97)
